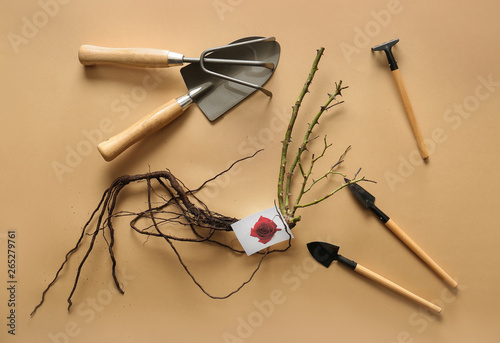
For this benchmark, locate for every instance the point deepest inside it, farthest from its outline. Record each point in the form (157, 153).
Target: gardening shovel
(215, 89)
(368, 201)
(326, 253)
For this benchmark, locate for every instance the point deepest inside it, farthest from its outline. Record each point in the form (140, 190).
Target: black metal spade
(326, 253)
(368, 201)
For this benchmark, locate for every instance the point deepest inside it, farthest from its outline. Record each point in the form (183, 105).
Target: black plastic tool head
(361, 194)
(324, 253)
(386, 47)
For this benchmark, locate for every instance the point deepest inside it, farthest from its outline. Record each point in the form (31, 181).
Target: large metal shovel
(214, 87)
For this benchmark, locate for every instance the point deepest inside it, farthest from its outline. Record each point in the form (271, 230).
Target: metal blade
(361, 194)
(225, 94)
(324, 253)
(367, 200)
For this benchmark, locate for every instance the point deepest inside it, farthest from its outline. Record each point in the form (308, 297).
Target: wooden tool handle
(146, 126)
(409, 112)
(396, 288)
(420, 253)
(130, 57)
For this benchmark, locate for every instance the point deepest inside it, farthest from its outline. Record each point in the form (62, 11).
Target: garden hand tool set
(220, 79)
(217, 81)
(325, 253)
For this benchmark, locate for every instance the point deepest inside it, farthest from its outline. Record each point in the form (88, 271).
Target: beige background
(448, 56)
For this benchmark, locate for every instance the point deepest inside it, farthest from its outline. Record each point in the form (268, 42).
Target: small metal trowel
(326, 253)
(368, 201)
(215, 87)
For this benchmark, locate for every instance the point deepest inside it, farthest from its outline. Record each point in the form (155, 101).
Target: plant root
(178, 207)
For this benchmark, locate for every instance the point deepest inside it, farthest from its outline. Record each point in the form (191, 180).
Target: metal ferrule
(381, 215)
(175, 59)
(350, 263)
(184, 101)
(193, 94)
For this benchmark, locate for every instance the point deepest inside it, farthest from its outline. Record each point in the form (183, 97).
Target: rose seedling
(174, 213)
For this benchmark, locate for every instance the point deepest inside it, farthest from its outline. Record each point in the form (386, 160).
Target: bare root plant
(170, 204)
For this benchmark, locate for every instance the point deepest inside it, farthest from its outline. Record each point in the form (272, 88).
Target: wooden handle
(129, 57)
(420, 253)
(396, 288)
(409, 112)
(146, 126)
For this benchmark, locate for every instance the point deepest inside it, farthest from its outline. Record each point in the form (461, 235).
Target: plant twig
(283, 196)
(329, 194)
(287, 206)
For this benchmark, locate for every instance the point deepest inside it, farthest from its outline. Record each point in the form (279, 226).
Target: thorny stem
(284, 198)
(306, 176)
(303, 146)
(286, 177)
(331, 193)
(313, 123)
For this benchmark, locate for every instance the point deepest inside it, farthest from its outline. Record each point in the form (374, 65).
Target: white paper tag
(261, 230)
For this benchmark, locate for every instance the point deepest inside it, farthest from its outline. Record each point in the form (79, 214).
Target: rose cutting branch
(287, 206)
